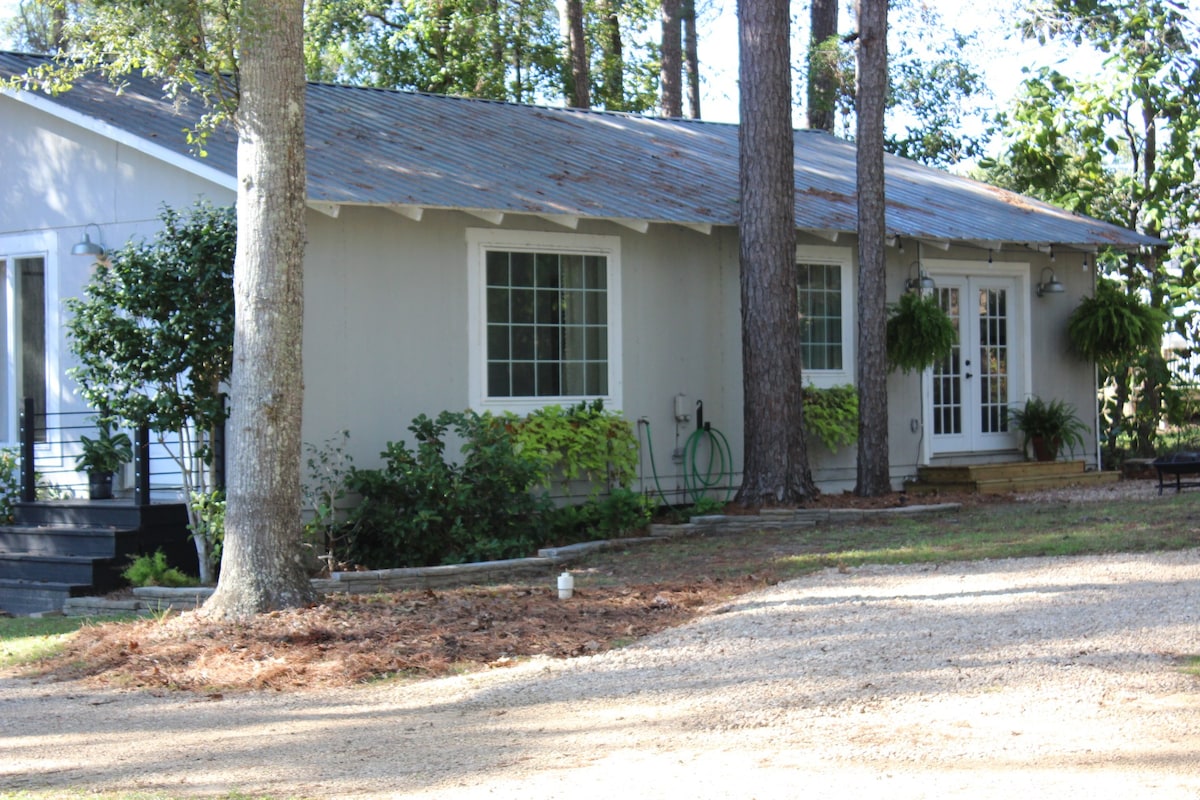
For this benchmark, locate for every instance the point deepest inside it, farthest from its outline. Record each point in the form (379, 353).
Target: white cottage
(429, 213)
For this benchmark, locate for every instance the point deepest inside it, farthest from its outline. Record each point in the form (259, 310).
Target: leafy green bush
(422, 509)
(832, 415)
(10, 482)
(209, 524)
(617, 514)
(152, 570)
(583, 442)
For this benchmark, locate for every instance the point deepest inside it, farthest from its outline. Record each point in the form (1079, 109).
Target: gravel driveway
(1024, 678)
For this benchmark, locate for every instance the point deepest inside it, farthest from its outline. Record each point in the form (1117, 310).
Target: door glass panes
(993, 360)
(31, 319)
(947, 375)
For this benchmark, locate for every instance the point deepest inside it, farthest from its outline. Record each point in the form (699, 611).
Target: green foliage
(919, 333)
(499, 51)
(1114, 324)
(148, 352)
(106, 453)
(328, 466)
(832, 415)
(208, 526)
(1054, 422)
(422, 508)
(1120, 145)
(583, 442)
(10, 482)
(152, 570)
(617, 514)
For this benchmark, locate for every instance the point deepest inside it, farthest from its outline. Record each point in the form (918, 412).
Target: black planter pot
(100, 485)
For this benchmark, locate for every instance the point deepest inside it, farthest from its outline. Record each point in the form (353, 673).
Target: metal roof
(381, 147)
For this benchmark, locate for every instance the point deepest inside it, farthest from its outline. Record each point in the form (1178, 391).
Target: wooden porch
(1015, 476)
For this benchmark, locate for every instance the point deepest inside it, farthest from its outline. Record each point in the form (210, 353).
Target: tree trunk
(671, 74)
(581, 93)
(822, 83)
(691, 57)
(873, 469)
(776, 468)
(262, 568)
(612, 60)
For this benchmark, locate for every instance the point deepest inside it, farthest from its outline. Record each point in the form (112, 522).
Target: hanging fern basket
(919, 333)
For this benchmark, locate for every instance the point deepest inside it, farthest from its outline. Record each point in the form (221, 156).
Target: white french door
(971, 389)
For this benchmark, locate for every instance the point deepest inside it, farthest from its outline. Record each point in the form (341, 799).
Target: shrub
(832, 415)
(10, 483)
(583, 442)
(152, 570)
(422, 509)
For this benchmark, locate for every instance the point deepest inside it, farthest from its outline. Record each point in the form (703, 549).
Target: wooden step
(21, 598)
(1008, 476)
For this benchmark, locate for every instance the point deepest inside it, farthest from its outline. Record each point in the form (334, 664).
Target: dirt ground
(347, 640)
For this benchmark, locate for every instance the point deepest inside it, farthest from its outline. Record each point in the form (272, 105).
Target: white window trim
(479, 241)
(839, 256)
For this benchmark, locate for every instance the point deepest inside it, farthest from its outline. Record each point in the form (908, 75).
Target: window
(819, 287)
(824, 298)
(544, 318)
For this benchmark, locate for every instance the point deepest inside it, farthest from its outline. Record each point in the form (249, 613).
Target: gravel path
(1023, 678)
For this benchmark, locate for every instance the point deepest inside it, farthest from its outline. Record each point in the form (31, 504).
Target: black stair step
(65, 569)
(20, 598)
(115, 513)
(67, 540)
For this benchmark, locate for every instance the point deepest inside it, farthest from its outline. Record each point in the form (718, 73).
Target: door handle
(968, 376)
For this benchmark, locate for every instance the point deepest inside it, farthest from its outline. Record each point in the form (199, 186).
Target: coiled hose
(697, 482)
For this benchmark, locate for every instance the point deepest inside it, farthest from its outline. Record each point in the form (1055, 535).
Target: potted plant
(1048, 426)
(101, 457)
(919, 333)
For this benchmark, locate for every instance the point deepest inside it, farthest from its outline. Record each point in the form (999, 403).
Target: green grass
(1002, 530)
(26, 639)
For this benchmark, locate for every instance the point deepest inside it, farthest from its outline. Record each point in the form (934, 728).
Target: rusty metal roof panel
(381, 147)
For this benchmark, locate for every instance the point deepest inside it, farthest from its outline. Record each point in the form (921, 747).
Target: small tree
(153, 333)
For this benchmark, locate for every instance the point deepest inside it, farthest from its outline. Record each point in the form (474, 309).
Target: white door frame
(1020, 330)
(44, 245)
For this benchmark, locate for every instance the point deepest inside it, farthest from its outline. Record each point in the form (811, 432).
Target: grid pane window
(547, 324)
(819, 295)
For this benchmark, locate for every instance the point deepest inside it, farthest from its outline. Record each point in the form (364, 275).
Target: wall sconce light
(922, 282)
(1052, 286)
(87, 247)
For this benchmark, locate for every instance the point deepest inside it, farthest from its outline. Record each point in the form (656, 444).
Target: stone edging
(156, 599)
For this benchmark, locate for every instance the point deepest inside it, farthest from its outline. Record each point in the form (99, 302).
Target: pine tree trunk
(822, 85)
(776, 468)
(261, 568)
(873, 468)
(671, 75)
(580, 94)
(691, 57)
(612, 62)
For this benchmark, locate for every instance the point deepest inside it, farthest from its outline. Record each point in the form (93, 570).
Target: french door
(972, 388)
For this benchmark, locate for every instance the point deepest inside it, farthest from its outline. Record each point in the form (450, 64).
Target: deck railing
(60, 432)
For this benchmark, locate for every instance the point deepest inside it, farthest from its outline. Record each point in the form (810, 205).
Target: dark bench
(1178, 464)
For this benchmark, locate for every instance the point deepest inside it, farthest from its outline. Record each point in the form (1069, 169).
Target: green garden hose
(697, 483)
